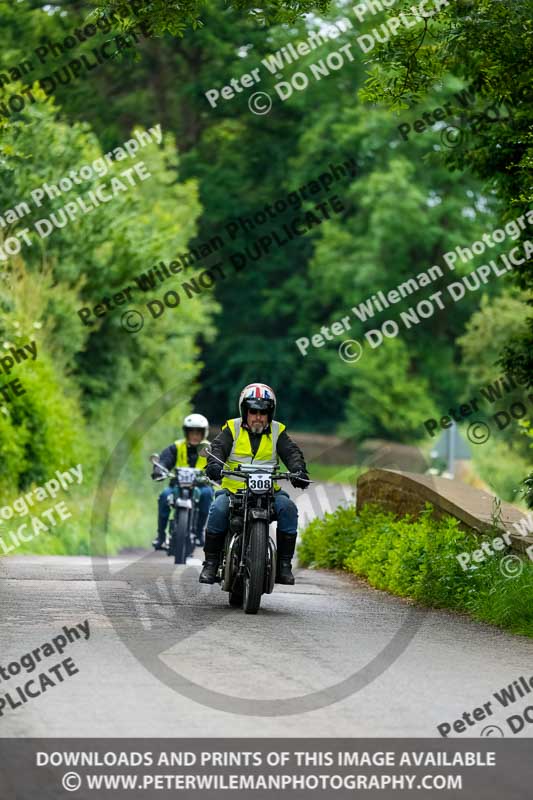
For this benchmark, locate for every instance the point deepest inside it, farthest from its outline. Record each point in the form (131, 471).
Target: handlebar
(166, 473)
(164, 470)
(206, 452)
(231, 473)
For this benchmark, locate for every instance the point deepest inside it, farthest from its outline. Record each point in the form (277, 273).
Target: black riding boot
(214, 544)
(286, 543)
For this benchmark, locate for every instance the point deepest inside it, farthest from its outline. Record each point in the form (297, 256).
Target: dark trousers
(286, 512)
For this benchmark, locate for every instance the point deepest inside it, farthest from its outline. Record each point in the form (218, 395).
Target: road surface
(168, 657)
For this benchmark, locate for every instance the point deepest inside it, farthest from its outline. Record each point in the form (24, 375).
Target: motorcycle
(248, 568)
(184, 504)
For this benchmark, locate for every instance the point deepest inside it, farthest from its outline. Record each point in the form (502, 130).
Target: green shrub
(502, 467)
(418, 558)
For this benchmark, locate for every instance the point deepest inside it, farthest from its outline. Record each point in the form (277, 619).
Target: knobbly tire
(254, 578)
(180, 526)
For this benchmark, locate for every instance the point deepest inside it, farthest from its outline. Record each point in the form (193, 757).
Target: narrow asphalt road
(168, 657)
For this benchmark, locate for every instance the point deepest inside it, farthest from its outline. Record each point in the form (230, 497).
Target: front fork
(183, 500)
(257, 512)
(245, 536)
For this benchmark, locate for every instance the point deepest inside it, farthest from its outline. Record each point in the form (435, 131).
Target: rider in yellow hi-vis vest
(254, 438)
(184, 453)
(241, 453)
(183, 447)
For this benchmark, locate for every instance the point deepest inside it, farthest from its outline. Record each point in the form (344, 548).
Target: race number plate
(260, 482)
(186, 475)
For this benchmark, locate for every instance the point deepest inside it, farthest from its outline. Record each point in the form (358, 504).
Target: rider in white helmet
(254, 437)
(184, 453)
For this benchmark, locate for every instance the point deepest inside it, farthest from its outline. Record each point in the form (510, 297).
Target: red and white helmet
(258, 397)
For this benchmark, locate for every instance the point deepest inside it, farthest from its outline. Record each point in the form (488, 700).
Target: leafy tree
(177, 19)
(488, 44)
(503, 460)
(487, 331)
(98, 373)
(403, 209)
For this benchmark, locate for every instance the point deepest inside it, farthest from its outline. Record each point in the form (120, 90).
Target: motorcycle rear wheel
(254, 578)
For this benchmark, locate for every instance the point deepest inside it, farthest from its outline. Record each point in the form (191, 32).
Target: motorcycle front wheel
(255, 564)
(179, 531)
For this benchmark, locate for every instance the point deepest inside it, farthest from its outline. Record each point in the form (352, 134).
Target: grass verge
(335, 473)
(132, 523)
(417, 558)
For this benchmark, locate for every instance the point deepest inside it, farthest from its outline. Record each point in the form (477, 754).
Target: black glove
(301, 481)
(214, 471)
(157, 475)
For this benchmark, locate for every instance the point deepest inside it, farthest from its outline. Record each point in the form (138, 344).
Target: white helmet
(196, 421)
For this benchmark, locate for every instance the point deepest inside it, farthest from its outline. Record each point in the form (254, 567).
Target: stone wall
(407, 492)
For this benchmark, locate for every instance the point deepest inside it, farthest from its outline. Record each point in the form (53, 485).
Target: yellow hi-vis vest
(181, 458)
(241, 452)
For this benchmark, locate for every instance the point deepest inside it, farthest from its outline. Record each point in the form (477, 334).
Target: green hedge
(417, 558)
